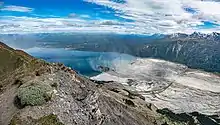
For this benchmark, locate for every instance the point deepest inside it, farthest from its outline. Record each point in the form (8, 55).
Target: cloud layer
(131, 16)
(16, 8)
(12, 24)
(165, 16)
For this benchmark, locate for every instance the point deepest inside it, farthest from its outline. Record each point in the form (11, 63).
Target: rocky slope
(169, 85)
(34, 92)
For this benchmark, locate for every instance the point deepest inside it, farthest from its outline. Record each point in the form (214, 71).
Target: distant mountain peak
(195, 35)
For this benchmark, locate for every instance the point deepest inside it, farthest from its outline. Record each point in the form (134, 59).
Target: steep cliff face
(196, 50)
(36, 92)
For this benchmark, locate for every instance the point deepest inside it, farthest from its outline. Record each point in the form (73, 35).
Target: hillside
(16, 64)
(36, 92)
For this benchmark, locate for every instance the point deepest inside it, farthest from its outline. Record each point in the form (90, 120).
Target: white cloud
(165, 16)
(85, 16)
(20, 25)
(74, 15)
(109, 22)
(148, 17)
(17, 8)
(12, 24)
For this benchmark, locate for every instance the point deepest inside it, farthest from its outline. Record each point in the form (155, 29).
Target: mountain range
(194, 50)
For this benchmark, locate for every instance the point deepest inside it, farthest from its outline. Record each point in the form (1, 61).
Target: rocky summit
(34, 92)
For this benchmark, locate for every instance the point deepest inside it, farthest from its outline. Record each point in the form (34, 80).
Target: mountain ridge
(73, 99)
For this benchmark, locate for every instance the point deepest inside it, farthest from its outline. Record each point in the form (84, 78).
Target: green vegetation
(49, 120)
(34, 94)
(10, 61)
(15, 65)
(45, 120)
(15, 121)
(171, 118)
(170, 121)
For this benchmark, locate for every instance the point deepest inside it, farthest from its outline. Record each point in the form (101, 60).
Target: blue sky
(59, 8)
(119, 16)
